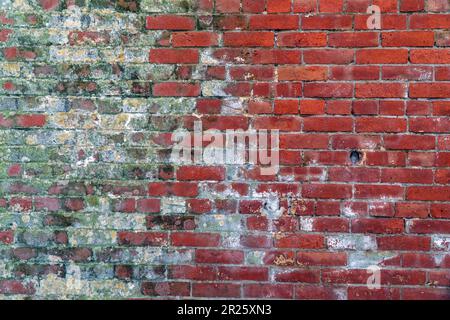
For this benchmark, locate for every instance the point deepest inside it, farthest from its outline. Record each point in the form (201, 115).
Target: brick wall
(92, 206)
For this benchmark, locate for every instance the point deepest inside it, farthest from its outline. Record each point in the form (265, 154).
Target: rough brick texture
(91, 206)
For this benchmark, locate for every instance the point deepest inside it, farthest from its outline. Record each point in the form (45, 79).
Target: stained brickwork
(93, 206)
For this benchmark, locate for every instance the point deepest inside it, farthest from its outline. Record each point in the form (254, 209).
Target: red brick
(306, 241)
(278, 6)
(264, 73)
(303, 141)
(174, 56)
(255, 241)
(305, 6)
(233, 22)
(430, 56)
(390, 6)
(276, 56)
(378, 191)
(243, 273)
(6, 236)
(187, 239)
(418, 260)
(125, 205)
(407, 73)
(88, 37)
(328, 124)
(425, 159)
(176, 89)
(302, 39)
(149, 205)
(364, 293)
(253, 6)
(249, 39)
(439, 277)
(5, 34)
(430, 193)
(310, 69)
(50, 204)
(412, 210)
(422, 176)
(199, 206)
(312, 107)
(268, 291)
(282, 189)
(350, 141)
(380, 125)
(299, 276)
(282, 124)
(407, 39)
(325, 224)
(274, 22)
(219, 256)
(328, 90)
(228, 290)
(408, 243)
(328, 56)
(170, 22)
(331, 5)
(30, 120)
(429, 226)
(228, 6)
(286, 106)
(412, 5)
(327, 208)
(49, 5)
(323, 22)
(302, 73)
(326, 191)
(16, 287)
(403, 277)
(410, 142)
(353, 39)
(429, 90)
(166, 289)
(437, 5)
(354, 73)
(354, 276)
(311, 292)
(20, 204)
(425, 294)
(218, 122)
(259, 223)
(187, 272)
(442, 73)
(354, 175)
(194, 39)
(392, 108)
(440, 211)
(142, 238)
(428, 21)
(322, 258)
(377, 225)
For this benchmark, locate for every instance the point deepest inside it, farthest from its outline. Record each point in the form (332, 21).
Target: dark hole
(355, 156)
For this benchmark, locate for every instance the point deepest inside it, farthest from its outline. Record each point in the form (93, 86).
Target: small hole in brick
(355, 156)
